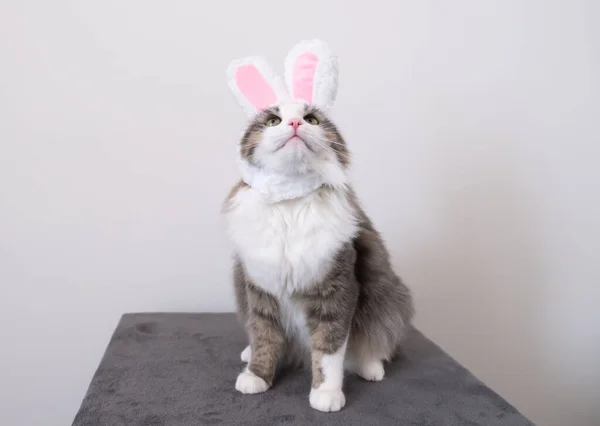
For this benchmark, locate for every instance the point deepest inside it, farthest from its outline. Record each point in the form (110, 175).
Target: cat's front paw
(248, 383)
(327, 399)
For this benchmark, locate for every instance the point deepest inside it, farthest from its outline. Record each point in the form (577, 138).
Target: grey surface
(180, 369)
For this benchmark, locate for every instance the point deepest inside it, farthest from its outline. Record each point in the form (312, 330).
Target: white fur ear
(255, 85)
(311, 73)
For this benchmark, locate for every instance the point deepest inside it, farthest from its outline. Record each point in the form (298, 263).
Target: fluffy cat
(311, 273)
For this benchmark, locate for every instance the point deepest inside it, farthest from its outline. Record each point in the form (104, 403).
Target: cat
(311, 272)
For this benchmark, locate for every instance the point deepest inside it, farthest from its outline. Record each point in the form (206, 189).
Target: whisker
(327, 137)
(329, 141)
(344, 155)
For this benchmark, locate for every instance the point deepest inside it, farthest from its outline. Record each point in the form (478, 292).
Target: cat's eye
(311, 119)
(273, 121)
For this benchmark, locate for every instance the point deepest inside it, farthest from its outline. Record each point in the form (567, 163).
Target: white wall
(475, 131)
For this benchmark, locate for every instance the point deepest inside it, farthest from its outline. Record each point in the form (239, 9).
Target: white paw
(372, 371)
(248, 382)
(327, 399)
(245, 355)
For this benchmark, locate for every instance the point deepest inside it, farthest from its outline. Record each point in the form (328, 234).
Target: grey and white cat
(312, 275)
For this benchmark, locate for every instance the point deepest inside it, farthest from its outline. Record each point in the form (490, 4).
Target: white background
(474, 126)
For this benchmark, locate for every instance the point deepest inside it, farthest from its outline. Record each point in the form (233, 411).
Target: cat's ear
(311, 73)
(255, 85)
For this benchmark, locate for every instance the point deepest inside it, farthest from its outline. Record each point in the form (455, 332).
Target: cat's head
(289, 130)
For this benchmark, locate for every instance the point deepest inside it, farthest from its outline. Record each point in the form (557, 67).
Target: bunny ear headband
(311, 75)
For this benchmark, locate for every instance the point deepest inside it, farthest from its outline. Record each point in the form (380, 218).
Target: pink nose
(294, 122)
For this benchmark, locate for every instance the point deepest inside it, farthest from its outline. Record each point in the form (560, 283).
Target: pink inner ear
(254, 87)
(303, 76)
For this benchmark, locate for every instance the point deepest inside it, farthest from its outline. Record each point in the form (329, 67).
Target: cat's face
(293, 137)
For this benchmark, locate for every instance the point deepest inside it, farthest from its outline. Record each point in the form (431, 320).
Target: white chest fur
(289, 245)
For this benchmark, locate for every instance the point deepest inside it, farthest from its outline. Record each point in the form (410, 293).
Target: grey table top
(177, 369)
